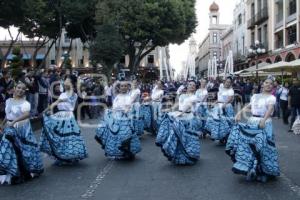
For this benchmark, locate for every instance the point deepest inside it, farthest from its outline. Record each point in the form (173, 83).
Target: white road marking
(98, 180)
(293, 187)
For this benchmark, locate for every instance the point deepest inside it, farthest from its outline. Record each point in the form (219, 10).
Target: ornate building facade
(211, 46)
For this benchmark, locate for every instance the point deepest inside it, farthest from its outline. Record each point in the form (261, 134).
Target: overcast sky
(179, 53)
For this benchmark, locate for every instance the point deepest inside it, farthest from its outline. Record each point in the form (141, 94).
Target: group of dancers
(178, 129)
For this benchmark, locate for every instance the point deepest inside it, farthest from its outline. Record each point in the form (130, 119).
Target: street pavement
(152, 177)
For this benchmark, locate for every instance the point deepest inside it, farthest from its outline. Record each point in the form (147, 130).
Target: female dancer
(115, 133)
(61, 138)
(252, 145)
(222, 115)
(201, 106)
(157, 96)
(178, 134)
(146, 111)
(20, 158)
(135, 95)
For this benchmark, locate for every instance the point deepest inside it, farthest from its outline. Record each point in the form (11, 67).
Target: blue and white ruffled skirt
(253, 150)
(137, 119)
(117, 137)
(178, 138)
(219, 122)
(146, 115)
(61, 138)
(19, 153)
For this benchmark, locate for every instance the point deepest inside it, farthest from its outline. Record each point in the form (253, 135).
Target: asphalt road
(152, 177)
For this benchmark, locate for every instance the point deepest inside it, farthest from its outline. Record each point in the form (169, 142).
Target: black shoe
(290, 131)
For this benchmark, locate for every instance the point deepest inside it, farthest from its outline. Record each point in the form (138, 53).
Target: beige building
(78, 52)
(211, 46)
(239, 43)
(27, 48)
(227, 43)
(276, 24)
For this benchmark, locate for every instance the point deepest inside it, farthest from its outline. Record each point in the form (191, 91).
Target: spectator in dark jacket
(294, 101)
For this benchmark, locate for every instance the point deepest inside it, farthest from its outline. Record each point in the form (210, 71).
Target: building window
(292, 34)
(67, 39)
(214, 20)
(52, 62)
(252, 37)
(258, 5)
(240, 19)
(259, 35)
(215, 38)
(279, 40)
(252, 10)
(279, 14)
(243, 43)
(265, 39)
(292, 7)
(150, 59)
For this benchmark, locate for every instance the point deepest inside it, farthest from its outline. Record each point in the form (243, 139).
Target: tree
(45, 20)
(107, 48)
(146, 24)
(17, 63)
(8, 18)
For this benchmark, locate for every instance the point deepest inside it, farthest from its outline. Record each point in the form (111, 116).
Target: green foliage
(147, 24)
(107, 48)
(17, 63)
(68, 64)
(11, 13)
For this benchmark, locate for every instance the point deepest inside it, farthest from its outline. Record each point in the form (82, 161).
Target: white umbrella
(277, 67)
(260, 73)
(295, 63)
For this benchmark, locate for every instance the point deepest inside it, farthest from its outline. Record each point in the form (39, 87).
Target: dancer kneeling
(252, 145)
(178, 134)
(222, 116)
(115, 133)
(20, 158)
(61, 136)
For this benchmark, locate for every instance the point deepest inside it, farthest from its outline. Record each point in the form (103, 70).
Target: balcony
(261, 16)
(251, 23)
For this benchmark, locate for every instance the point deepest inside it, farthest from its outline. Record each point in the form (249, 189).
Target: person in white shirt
(284, 93)
(221, 118)
(201, 106)
(135, 95)
(256, 155)
(156, 97)
(115, 133)
(61, 135)
(182, 124)
(18, 142)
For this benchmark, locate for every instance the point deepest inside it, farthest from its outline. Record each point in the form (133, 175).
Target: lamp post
(257, 49)
(65, 56)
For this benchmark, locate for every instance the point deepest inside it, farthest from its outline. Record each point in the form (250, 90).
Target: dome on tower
(214, 7)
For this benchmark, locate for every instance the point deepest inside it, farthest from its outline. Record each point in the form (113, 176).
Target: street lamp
(257, 49)
(64, 57)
